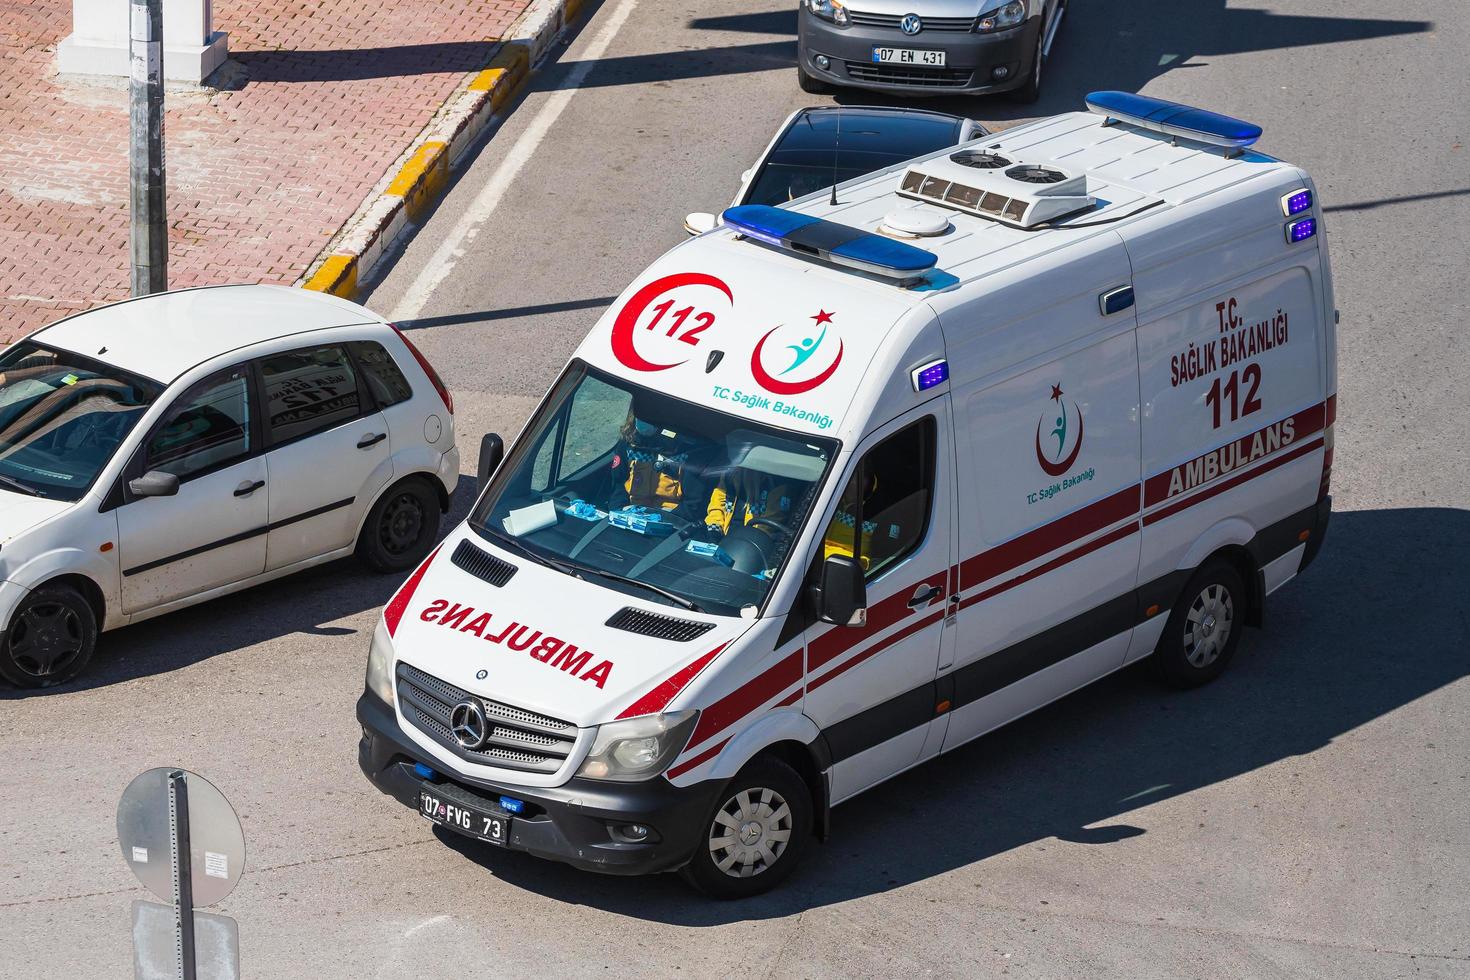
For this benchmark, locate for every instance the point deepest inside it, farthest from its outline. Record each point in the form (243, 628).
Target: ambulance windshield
(652, 495)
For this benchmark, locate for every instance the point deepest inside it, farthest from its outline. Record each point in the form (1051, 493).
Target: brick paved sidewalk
(319, 100)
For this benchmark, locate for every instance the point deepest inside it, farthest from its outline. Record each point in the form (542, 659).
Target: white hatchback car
(173, 448)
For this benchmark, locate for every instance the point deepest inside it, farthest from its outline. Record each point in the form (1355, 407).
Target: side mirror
(492, 451)
(154, 483)
(699, 222)
(841, 595)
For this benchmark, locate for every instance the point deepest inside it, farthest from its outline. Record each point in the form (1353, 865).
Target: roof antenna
(836, 142)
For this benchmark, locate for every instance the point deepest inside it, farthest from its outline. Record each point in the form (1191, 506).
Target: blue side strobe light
(1174, 119)
(422, 771)
(931, 375)
(830, 241)
(1296, 202)
(512, 804)
(1300, 231)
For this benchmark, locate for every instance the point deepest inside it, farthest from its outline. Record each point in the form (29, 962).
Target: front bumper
(568, 823)
(970, 58)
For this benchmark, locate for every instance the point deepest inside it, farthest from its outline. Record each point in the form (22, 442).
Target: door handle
(924, 595)
(248, 487)
(370, 440)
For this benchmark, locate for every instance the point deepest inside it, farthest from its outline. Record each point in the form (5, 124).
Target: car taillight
(1327, 442)
(444, 394)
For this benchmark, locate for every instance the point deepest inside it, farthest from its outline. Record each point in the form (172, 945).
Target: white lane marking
(453, 247)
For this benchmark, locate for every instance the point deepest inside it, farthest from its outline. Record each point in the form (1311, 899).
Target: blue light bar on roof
(831, 242)
(1174, 119)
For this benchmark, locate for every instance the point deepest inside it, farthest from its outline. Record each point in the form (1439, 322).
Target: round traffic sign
(216, 840)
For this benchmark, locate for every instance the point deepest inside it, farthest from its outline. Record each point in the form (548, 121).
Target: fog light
(823, 62)
(636, 831)
(633, 833)
(1000, 72)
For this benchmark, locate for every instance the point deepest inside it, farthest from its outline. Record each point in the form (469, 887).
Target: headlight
(829, 10)
(380, 664)
(1002, 17)
(638, 748)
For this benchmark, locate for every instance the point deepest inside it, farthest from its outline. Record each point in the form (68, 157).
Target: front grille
(518, 739)
(863, 71)
(950, 24)
(482, 565)
(652, 624)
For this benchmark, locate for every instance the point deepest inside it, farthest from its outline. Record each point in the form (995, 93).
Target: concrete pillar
(98, 43)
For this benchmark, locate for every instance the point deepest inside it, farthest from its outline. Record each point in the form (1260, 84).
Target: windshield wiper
(15, 484)
(521, 549)
(689, 604)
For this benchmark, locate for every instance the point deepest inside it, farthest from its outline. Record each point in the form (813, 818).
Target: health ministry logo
(1058, 461)
(804, 353)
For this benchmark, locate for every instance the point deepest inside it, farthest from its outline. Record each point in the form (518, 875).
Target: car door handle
(924, 595)
(248, 487)
(370, 440)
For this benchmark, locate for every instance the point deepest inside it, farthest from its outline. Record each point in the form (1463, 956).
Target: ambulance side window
(891, 495)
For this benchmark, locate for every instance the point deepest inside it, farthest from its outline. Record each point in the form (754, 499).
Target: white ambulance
(835, 488)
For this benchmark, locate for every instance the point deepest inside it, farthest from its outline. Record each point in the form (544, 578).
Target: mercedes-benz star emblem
(467, 723)
(481, 674)
(911, 24)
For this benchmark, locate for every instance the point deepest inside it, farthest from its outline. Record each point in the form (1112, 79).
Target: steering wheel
(768, 522)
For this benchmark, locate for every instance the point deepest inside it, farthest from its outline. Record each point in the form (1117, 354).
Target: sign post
(147, 218)
(182, 839)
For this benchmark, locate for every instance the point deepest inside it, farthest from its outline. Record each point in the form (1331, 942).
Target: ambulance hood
(542, 639)
(744, 329)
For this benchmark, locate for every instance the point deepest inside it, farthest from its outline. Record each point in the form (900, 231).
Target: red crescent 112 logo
(682, 318)
(800, 362)
(1058, 460)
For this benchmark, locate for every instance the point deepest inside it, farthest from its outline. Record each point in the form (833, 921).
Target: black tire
(810, 84)
(50, 638)
(1191, 652)
(1030, 90)
(760, 789)
(401, 527)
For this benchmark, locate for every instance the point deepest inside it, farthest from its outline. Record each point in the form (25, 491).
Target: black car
(823, 145)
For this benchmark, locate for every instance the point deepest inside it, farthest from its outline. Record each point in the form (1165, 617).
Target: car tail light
(418, 355)
(1327, 442)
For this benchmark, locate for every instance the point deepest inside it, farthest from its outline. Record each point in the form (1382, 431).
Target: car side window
(308, 391)
(206, 428)
(890, 496)
(381, 373)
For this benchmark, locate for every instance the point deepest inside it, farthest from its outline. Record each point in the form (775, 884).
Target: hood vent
(645, 623)
(988, 185)
(482, 565)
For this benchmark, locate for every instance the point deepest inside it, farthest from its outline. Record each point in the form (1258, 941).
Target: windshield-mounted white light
(638, 748)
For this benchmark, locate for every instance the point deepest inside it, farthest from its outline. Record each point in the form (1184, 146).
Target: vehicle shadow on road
(1375, 624)
(300, 603)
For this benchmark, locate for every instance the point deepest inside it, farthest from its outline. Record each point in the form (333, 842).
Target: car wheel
(756, 835)
(1204, 627)
(1030, 90)
(401, 527)
(811, 84)
(50, 638)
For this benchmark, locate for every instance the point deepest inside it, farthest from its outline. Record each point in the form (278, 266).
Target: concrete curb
(412, 186)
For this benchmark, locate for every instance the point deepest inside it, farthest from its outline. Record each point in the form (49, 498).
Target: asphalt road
(1305, 816)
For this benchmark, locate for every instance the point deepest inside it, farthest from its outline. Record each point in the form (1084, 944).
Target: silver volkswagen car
(927, 47)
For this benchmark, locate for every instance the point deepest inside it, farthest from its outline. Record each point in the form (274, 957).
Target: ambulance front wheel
(1204, 628)
(756, 834)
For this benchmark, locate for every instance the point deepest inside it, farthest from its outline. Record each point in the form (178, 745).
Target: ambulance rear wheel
(401, 527)
(1204, 628)
(756, 834)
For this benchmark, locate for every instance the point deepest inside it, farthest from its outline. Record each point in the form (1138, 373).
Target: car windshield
(61, 418)
(813, 150)
(652, 495)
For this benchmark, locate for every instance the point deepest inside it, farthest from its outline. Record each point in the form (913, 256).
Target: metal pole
(178, 828)
(149, 238)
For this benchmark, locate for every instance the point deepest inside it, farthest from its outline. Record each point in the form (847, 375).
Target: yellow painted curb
(422, 178)
(507, 71)
(337, 275)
